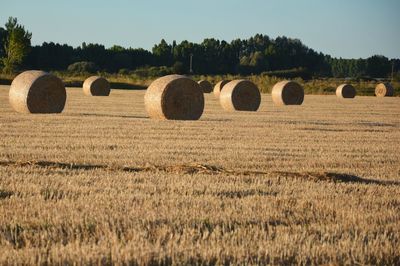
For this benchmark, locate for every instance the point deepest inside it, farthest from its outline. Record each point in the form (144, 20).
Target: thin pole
(392, 69)
(191, 64)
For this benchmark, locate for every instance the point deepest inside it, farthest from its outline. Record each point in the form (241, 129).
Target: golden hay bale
(96, 86)
(174, 97)
(384, 89)
(218, 87)
(345, 91)
(240, 95)
(287, 93)
(36, 91)
(205, 86)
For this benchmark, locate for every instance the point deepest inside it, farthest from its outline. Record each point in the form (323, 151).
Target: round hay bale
(96, 86)
(174, 97)
(36, 91)
(345, 91)
(218, 87)
(240, 95)
(287, 93)
(205, 86)
(384, 90)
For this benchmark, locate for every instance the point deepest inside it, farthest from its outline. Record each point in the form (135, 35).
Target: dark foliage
(282, 57)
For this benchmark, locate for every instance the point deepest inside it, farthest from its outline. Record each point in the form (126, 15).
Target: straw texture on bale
(240, 95)
(36, 91)
(96, 86)
(205, 86)
(287, 93)
(218, 87)
(174, 97)
(345, 91)
(384, 90)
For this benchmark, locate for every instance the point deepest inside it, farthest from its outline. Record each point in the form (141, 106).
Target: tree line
(258, 54)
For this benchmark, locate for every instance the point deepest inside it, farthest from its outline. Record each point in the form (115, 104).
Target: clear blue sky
(341, 28)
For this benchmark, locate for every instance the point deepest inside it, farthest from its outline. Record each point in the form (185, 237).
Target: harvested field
(102, 183)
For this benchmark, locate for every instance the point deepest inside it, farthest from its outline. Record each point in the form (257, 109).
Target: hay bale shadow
(120, 116)
(4, 194)
(356, 179)
(113, 85)
(338, 178)
(5, 81)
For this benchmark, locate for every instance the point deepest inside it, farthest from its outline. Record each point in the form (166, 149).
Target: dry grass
(103, 183)
(324, 86)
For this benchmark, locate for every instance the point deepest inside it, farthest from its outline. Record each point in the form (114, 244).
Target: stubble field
(101, 183)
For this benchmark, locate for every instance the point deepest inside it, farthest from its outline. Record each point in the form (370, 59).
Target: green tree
(378, 66)
(16, 46)
(3, 35)
(258, 61)
(163, 52)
